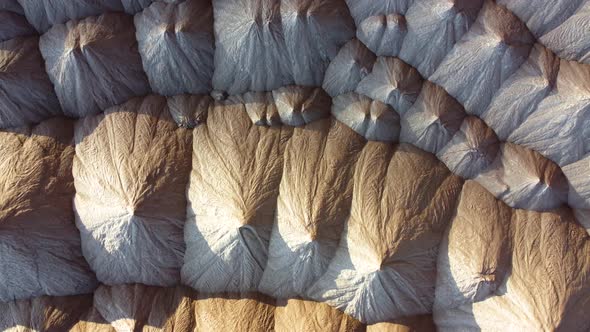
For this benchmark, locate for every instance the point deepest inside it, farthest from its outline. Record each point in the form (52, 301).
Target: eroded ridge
(391, 159)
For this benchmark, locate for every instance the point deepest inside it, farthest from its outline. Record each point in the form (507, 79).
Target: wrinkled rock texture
(294, 165)
(129, 202)
(38, 235)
